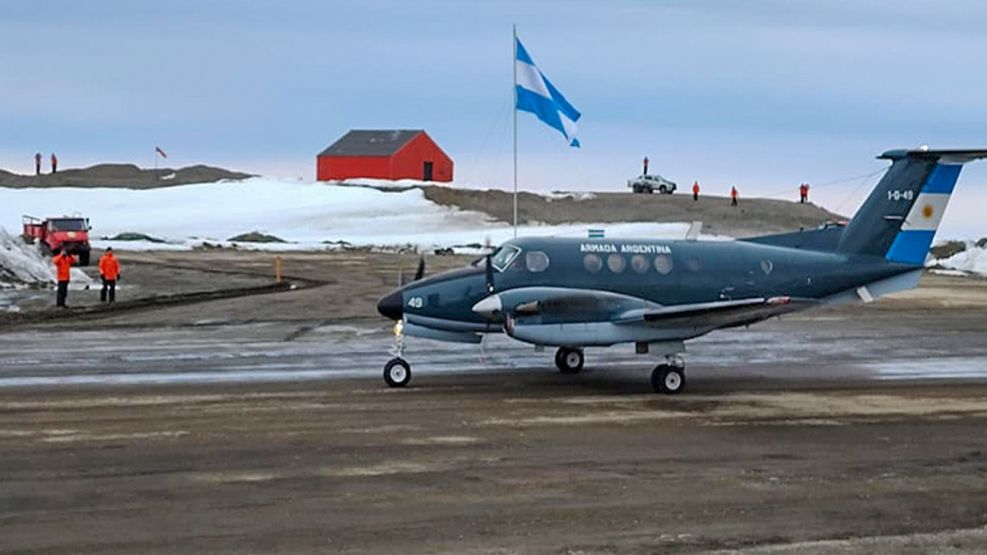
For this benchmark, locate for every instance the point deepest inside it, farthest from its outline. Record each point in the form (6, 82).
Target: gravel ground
(260, 424)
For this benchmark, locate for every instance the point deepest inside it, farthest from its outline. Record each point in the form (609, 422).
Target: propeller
(490, 274)
(419, 272)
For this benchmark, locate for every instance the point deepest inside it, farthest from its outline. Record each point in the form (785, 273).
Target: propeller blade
(420, 272)
(489, 273)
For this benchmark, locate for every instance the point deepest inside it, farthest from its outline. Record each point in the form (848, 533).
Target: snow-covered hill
(971, 260)
(306, 215)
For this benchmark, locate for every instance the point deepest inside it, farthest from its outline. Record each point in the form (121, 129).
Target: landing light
(398, 328)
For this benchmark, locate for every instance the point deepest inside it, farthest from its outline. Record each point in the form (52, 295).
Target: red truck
(70, 233)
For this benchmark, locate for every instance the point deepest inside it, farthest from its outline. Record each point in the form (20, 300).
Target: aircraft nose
(391, 305)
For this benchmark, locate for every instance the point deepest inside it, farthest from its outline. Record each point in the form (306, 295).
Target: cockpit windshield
(502, 257)
(68, 224)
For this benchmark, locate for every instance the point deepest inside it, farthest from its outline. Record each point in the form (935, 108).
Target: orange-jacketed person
(733, 195)
(109, 272)
(63, 274)
(695, 191)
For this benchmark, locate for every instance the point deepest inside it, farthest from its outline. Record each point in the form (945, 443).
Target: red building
(384, 154)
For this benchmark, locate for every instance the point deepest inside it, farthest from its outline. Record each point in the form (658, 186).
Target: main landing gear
(569, 361)
(669, 378)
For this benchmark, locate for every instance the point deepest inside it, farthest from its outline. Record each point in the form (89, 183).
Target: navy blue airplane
(576, 293)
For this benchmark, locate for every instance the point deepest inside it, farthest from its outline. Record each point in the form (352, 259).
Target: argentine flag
(536, 94)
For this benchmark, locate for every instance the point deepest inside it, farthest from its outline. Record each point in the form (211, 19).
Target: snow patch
(972, 260)
(22, 264)
(308, 215)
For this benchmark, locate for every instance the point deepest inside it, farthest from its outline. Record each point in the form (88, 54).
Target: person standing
(37, 163)
(805, 195)
(63, 274)
(54, 163)
(802, 193)
(695, 191)
(109, 272)
(645, 165)
(733, 195)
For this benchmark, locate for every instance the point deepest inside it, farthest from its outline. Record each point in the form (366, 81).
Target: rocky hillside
(753, 216)
(120, 175)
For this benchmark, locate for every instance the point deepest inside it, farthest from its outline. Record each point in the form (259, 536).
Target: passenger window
(664, 264)
(767, 266)
(639, 263)
(617, 263)
(593, 263)
(536, 261)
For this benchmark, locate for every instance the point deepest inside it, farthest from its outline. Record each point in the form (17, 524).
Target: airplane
(574, 293)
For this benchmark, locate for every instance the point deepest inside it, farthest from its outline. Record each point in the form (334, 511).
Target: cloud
(760, 94)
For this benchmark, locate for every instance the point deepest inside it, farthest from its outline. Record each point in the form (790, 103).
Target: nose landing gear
(397, 371)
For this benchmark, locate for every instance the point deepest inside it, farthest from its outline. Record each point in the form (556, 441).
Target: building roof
(371, 142)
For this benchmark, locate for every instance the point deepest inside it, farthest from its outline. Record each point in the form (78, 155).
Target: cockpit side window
(502, 259)
(536, 261)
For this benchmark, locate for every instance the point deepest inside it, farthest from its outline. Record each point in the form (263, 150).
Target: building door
(427, 171)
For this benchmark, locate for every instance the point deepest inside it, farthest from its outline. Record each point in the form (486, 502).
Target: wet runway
(834, 346)
(856, 430)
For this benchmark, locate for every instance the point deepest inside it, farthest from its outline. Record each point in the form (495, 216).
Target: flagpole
(514, 92)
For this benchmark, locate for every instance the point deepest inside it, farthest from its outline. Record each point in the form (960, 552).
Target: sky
(763, 94)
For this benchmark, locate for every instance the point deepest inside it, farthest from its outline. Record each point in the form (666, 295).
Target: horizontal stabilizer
(943, 156)
(870, 291)
(823, 239)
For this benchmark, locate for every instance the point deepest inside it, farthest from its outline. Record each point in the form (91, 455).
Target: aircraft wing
(577, 305)
(716, 314)
(559, 303)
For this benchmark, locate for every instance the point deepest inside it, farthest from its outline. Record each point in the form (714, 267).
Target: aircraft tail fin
(900, 217)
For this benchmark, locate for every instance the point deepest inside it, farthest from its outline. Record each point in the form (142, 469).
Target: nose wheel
(668, 379)
(569, 361)
(397, 372)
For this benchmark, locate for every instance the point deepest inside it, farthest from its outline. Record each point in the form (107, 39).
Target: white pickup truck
(651, 184)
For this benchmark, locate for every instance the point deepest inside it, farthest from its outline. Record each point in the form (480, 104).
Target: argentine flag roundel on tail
(536, 94)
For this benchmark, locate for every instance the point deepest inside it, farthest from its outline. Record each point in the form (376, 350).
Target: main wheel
(397, 372)
(668, 379)
(569, 361)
